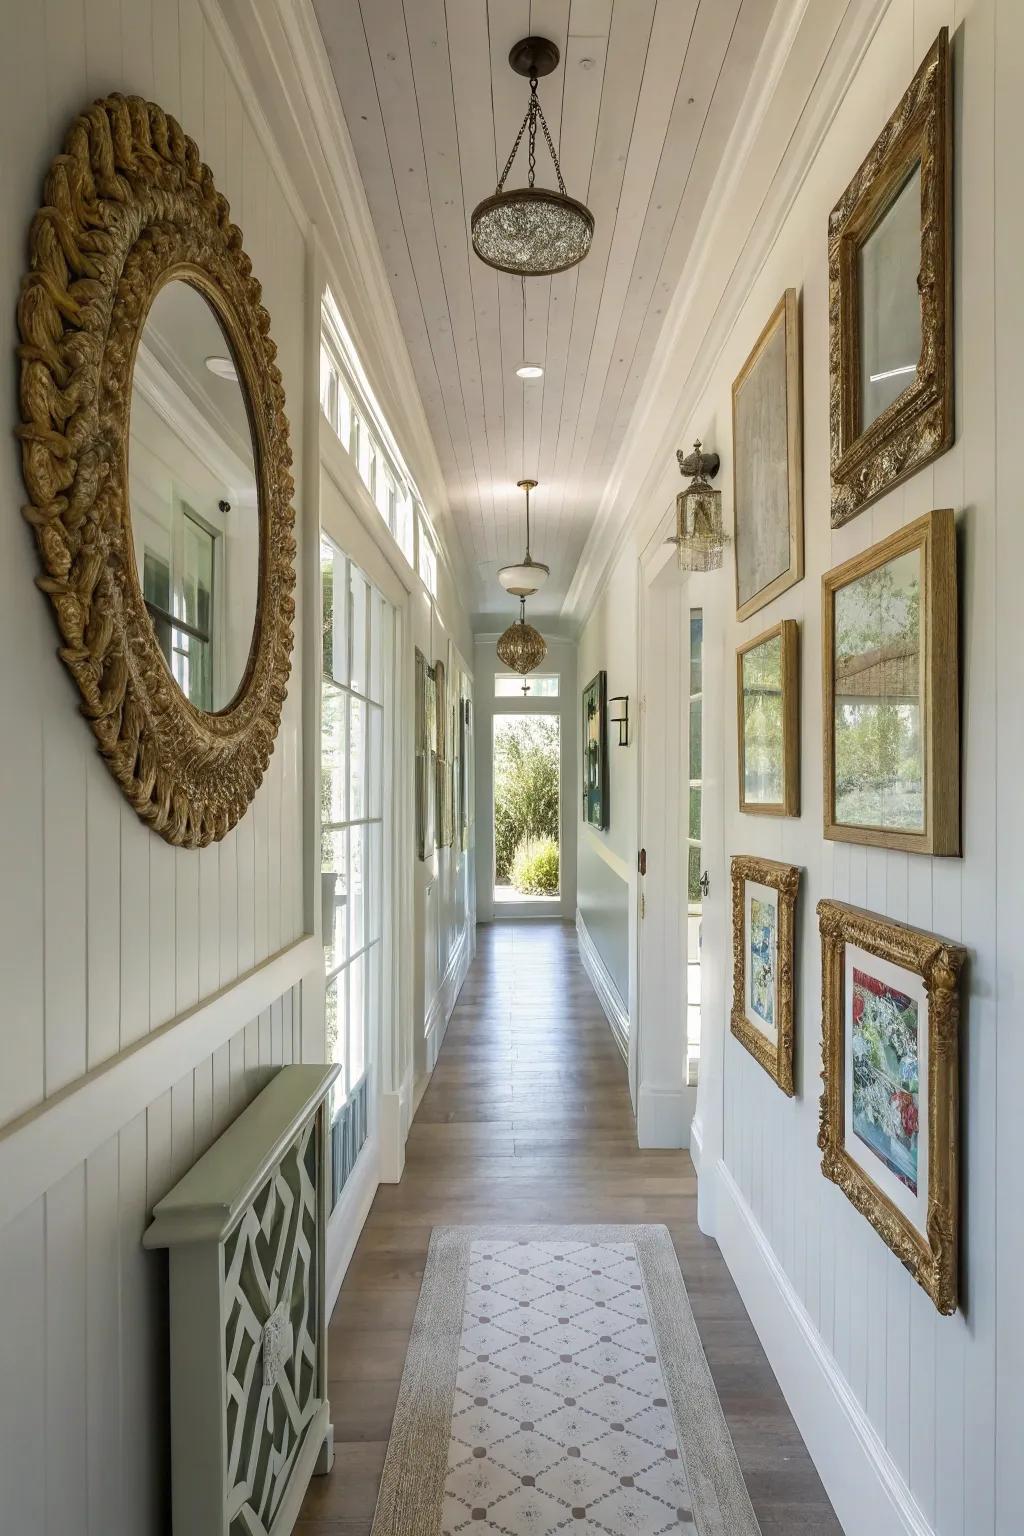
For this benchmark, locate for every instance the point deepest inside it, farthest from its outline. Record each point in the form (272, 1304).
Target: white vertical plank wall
(106, 932)
(943, 1396)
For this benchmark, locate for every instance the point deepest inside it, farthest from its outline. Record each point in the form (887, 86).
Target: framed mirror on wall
(163, 516)
(891, 299)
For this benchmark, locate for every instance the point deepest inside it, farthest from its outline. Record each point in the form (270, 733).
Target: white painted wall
(561, 663)
(143, 1003)
(915, 1420)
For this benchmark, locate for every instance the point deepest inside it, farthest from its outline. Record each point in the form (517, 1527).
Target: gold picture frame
(916, 425)
(905, 999)
(912, 665)
(128, 207)
(768, 507)
(785, 770)
(764, 896)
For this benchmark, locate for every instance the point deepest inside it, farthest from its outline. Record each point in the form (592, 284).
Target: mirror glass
(879, 741)
(890, 306)
(194, 499)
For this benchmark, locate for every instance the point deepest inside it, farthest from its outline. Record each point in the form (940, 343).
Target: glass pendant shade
(700, 535)
(526, 578)
(532, 231)
(523, 580)
(521, 647)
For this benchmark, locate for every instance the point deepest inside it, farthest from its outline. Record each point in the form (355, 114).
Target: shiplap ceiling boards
(640, 110)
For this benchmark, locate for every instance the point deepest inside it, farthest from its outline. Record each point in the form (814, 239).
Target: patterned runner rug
(555, 1381)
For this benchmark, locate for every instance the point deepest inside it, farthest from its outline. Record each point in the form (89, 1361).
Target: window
(694, 890)
(509, 685)
(358, 663)
(177, 586)
(350, 406)
(427, 556)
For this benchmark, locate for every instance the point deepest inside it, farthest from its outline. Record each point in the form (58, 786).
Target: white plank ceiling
(640, 110)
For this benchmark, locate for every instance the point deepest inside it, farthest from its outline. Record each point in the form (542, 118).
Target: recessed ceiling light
(530, 371)
(223, 367)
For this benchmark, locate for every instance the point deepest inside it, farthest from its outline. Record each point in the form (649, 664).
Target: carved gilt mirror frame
(128, 207)
(918, 425)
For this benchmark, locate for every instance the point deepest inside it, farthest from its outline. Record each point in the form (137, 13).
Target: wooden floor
(527, 1118)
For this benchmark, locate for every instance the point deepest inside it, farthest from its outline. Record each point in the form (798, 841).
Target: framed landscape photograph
(891, 699)
(426, 758)
(890, 1068)
(595, 752)
(763, 924)
(890, 243)
(768, 721)
(768, 511)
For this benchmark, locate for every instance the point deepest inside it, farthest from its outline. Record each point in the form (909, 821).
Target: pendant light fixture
(527, 578)
(531, 231)
(522, 647)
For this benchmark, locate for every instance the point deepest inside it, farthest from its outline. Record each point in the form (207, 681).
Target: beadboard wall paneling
(84, 1441)
(943, 1395)
(105, 930)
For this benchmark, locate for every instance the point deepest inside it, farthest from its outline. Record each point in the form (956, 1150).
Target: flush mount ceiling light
(530, 371)
(522, 647)
(530, 231)
(529, 576)
(223, 367)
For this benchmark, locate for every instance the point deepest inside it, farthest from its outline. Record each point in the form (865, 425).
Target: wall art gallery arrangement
(890, 748)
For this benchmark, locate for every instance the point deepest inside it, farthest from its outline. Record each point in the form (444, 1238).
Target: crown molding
(189, 420)
(718, 276)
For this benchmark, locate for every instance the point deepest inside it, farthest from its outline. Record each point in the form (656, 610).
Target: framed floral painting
(890, 1068)
(763, 921)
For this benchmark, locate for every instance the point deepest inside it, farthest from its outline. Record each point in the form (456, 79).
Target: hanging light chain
(533, 111)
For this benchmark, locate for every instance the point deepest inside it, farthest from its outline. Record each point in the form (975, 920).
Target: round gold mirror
(155, 452)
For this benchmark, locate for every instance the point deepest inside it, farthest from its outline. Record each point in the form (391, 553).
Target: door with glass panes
(357, 740)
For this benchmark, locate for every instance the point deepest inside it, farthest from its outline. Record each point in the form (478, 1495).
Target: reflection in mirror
(889, 303)
(879, 744)
(763, 737)
(194, 502)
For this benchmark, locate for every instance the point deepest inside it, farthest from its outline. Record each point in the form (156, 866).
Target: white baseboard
(349, 1217)
(867, 1490)
(663, 1116)
(696, 1144)
(615, 1010)
(446, 996)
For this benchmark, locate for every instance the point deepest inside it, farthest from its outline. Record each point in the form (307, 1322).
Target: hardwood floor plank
(527, 1119)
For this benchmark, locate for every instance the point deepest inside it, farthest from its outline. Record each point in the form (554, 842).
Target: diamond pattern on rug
(561, 1419)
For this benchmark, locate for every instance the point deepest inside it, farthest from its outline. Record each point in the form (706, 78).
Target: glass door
(694, 862)
(357, 713)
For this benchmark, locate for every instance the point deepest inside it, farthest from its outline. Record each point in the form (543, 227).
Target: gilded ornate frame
(777, 1061)
(128, 207)
(918, 425)
(931, 1258)
(934, 535)
(789, 633)
(785, 315)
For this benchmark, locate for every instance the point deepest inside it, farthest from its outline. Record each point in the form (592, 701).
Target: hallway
(527, 1118)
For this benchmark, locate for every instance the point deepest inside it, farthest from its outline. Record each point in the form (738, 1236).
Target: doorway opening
(527, 796)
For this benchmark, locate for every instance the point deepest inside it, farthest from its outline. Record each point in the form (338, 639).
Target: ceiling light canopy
(530, 231)
(522, 647)
(526, 578)
(530, 371)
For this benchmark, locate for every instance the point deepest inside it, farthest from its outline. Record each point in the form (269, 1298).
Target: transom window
(509, 685)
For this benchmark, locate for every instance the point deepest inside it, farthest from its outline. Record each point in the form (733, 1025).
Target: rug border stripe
(421, 1431)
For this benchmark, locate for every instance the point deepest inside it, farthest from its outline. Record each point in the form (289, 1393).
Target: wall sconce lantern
(699, 534)
(618, 714)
